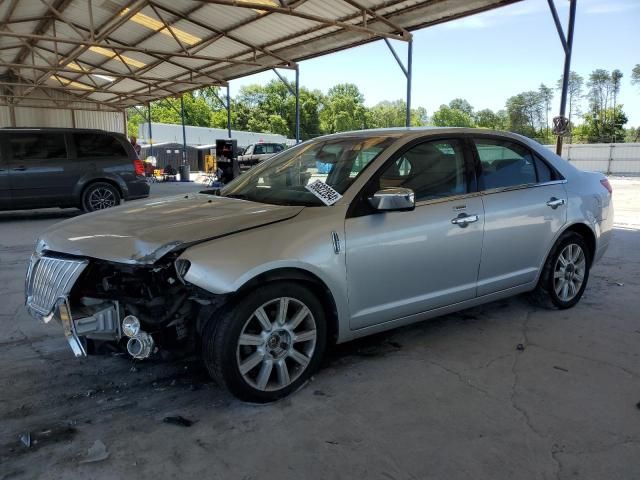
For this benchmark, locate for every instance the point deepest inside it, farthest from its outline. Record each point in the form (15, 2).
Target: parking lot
(502, 391)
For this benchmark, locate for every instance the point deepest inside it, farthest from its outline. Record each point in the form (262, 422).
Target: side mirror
(390, 199)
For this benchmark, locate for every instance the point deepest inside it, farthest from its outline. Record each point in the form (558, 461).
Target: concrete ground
(452, 398)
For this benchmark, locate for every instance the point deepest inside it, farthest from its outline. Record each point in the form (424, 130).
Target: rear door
(524, 206)
(37, 168)
(5, 197)
(101, 154)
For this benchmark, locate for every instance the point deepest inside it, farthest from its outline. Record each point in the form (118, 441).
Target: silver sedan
(337, 238)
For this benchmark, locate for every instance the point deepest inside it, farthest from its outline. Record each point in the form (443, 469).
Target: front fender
(225, 265)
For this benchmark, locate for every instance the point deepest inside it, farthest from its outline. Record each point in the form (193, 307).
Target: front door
(404, 263)
(37, 163)
(525, 208)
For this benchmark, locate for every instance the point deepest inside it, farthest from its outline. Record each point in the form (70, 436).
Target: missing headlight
(182, 267)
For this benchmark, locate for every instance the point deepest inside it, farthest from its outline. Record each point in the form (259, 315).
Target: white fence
(609, 158)
(169, 132)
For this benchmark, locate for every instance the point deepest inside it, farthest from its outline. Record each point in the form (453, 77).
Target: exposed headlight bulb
(131, 326)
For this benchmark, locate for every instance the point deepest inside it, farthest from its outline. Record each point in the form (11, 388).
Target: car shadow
(44, 214)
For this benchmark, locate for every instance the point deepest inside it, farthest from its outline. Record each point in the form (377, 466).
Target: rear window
(97, 145)
(37, 146)
(504, 164)
(264, 148)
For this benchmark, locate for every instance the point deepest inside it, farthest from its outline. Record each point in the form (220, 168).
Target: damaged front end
(107, 305)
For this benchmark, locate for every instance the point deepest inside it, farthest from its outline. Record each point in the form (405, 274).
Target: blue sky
(488, 57)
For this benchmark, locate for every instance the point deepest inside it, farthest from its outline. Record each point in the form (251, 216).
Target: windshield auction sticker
(324, 192)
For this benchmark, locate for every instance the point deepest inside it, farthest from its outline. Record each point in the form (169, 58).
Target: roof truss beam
(127, 48)
(307, 16)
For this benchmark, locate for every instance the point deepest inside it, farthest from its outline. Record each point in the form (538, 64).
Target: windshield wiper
(240, 196)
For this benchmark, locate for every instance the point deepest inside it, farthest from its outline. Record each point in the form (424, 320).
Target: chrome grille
(49, 279)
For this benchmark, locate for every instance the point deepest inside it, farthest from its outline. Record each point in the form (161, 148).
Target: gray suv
(52, 167)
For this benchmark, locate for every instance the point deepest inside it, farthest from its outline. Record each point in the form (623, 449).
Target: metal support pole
(409, 72)
(567, 67)
(184, 132)
(228, 112)
(150, 135)
(297, 104)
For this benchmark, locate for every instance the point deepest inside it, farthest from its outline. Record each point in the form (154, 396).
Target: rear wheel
(268, 344)
(100, 195)
(565, 273)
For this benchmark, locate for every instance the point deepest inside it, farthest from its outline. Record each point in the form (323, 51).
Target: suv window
(432, 170)
(37, 146)
(98, 145)
(504, 164)
(264, 148)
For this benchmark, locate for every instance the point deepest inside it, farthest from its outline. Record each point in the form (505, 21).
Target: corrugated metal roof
(166, 47)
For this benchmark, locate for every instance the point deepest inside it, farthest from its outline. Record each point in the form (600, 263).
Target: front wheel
(565, 273)
(267, 344)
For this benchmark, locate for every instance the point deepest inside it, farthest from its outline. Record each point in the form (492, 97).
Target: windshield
(282, 180)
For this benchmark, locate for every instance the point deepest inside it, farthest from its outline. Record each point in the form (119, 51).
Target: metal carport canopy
(111, 55)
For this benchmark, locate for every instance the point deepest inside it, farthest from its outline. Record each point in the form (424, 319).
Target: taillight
(605, 183)
(139, 167)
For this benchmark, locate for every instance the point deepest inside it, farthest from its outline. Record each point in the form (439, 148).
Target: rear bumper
(138, 188)
(604, 232)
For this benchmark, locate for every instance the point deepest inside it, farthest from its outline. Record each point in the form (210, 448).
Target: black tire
(221, 335)
(100, 195)
(545, 293)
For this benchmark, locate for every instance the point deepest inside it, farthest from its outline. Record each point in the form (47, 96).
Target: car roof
(399, 132)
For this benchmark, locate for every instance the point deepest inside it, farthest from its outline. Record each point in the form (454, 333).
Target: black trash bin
(185, 170)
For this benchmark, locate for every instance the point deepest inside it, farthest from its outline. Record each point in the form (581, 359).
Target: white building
(168, 132)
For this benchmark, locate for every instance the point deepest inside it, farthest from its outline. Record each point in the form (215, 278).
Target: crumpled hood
(142, 232)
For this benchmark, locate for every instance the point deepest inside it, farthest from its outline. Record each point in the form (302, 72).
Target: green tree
(594, 131)
(574, 95)
(599, 85)
(546, 96)
(487, 118)
(632, 135)
(343, 109)
(196, 112)
(635, 75)
(446, 116)
(525, 112)
(388, 114)
(616, 78)
(462, 105)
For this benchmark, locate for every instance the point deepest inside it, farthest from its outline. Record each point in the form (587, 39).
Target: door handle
(463, 220)
(555, 202)
(21, 168)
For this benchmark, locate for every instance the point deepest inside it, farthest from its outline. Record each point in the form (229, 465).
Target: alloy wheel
(569, 272)
(102, 198)
(276, 344)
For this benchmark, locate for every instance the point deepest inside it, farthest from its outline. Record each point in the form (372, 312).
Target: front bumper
(47, 286)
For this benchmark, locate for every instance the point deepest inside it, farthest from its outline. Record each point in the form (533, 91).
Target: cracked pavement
(452, 398)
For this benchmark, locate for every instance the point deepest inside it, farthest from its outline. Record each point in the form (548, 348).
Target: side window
(279, 148)
(37, 146)
(504, 164)
(96, 145)
(259, 150)
(432, 170)
(545, 173)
